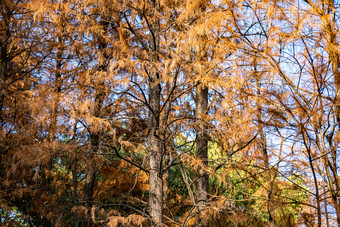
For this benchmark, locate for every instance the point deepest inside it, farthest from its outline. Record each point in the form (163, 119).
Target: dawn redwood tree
(137, 75)
(99, 98)
(325, 12)
(201, 99)
(303, 100)
(21, 56)
(154, 95)
(18, 59)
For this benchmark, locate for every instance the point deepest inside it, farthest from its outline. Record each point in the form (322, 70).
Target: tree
(20, 58)
(178, 113)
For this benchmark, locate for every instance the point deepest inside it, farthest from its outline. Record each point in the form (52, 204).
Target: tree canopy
(169, 113)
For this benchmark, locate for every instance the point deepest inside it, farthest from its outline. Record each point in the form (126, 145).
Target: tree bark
(202, 176)
(154, 143)
(202, 182)
(155, 158)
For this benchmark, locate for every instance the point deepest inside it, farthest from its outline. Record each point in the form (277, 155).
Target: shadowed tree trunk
(202, 183)
(100, 94)
(263, 147)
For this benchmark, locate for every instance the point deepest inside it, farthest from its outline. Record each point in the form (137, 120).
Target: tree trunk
(155, 154)
(100, 94)
(47, 167)
(94, 143)
(155, 161)
(263, 147)
(91, 171)
(202, 183)
(154, 143)
(315, 179)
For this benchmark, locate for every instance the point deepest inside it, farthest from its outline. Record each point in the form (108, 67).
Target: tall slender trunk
(91, 170)
(202, 176)
(99, 97)
(47, 167)
(154, 143)
(202, 182)
(57, 88)
(155, 156)
(165, 132)
(263, 147)
(94, 146)
(327, 16)
(91, 167)
(166, 160)
(315, 179)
